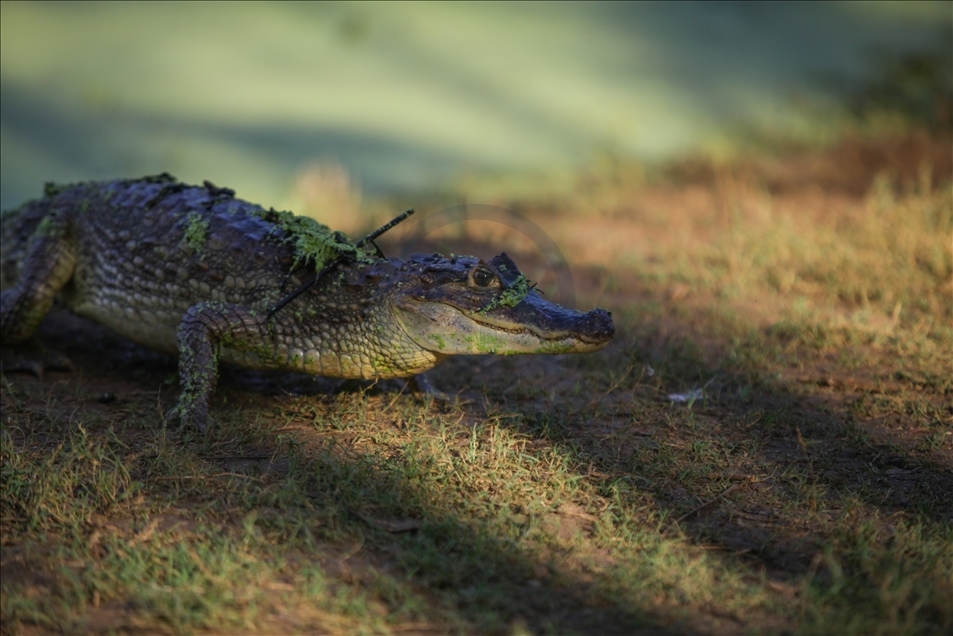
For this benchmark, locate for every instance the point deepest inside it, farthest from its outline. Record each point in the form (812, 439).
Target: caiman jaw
(445, 329)
(546, 335)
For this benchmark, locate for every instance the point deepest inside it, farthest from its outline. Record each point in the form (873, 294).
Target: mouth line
(506, 327)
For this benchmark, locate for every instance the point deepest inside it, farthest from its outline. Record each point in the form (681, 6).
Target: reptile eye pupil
(482, 278)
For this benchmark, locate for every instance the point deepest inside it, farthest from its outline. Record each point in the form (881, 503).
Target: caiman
(193, 270)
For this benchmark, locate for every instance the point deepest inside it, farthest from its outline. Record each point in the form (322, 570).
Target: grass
(803, 490)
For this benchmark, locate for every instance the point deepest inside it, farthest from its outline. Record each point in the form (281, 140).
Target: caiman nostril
(597, 324)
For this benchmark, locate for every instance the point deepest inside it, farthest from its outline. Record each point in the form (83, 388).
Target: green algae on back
(313, 241)
(51, 188)
(196, 230)
(49, 226)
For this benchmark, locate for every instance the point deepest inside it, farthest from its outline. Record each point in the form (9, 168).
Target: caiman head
(465, 305)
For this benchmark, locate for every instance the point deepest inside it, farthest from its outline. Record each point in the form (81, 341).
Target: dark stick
(335, 262)
(384, 228)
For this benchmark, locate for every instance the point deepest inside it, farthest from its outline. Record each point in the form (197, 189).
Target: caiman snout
(596, 326)
(555, 329)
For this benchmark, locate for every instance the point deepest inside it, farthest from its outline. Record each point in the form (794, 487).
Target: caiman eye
(483, 278)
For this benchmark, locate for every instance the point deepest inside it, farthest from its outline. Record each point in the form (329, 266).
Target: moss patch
(49, 226)
(196, 230)
(513, 295)
(313, 241)
(51, 189)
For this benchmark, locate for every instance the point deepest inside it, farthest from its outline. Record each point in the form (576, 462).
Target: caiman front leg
(48, 265)
(205, 329)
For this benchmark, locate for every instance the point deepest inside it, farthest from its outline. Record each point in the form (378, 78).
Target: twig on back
(370, 238)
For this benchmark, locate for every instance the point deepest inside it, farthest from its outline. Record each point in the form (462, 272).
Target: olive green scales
(192, 270)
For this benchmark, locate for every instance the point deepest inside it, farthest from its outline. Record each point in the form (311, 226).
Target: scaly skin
(192, 270)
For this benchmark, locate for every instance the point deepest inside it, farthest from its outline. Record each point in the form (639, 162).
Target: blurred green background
(406, 97)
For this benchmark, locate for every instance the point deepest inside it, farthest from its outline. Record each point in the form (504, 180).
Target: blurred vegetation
(395, 96)
(917, 87)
